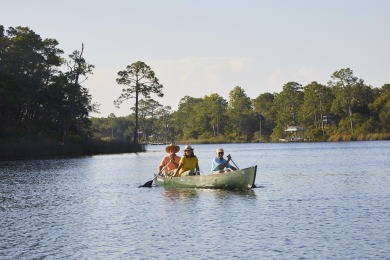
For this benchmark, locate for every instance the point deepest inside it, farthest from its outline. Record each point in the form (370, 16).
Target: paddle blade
(147, 184)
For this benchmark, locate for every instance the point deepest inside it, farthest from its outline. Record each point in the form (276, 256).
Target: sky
(200, 47)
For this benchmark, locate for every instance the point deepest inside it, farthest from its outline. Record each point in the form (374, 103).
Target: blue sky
(201, 47)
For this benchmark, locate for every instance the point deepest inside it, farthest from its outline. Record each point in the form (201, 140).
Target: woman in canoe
(188, 163)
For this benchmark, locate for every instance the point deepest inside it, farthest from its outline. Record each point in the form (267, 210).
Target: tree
(381, 108)
(147, 112)
(186, 118)
(343, 82)
(263, 106)
(164, 122)
(111, 123)
(26, 71)
(140, 80)
(316, 106)
(40, 100)
(215, 108)
(240, 113)
(287, 104)
(77, 100)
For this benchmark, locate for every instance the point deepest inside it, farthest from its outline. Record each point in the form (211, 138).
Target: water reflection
(175, 194)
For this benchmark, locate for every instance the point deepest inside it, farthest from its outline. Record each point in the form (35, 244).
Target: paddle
(148, 184)
(234, 163)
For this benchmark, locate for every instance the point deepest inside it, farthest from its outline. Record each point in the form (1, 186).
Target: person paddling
(220, 164)
(170, 162)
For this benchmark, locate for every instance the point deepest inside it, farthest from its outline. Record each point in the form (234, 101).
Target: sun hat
(219, 150)
(174, 147)
(188, 147)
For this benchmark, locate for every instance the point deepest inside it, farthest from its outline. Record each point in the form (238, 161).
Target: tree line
(344, 109)
(42, 98)
(40, 91)
(44, 109)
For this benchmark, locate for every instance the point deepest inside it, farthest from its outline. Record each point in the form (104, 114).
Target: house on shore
(293, 134)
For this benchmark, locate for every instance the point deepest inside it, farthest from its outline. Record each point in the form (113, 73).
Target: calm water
(313, 201)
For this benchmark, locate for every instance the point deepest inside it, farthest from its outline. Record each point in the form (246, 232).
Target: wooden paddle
(148, 184)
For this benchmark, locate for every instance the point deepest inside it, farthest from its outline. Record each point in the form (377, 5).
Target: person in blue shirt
(220, 164)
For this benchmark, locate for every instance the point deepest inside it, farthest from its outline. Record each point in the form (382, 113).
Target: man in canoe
(220, 164)
(170, 162)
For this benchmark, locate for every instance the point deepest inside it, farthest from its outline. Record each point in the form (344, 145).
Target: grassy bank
(339, 137)
(359, 137)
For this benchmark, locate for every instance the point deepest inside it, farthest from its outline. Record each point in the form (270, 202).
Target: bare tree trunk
(350, 117)
(136, 113)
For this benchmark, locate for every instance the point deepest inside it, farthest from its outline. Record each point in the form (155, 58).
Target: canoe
(243, 179)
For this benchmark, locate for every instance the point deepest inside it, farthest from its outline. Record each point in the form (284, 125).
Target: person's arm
(177, 170)
(229, 165)
(162, 165)
(226, 163)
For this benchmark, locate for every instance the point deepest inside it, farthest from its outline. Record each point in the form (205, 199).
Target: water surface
(313, 201)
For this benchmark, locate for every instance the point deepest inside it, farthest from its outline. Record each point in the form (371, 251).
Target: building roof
(294, 129)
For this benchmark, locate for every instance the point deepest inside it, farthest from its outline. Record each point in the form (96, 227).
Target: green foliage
(240, 114)
(351, 96)
(317, 103)
(187, 121)
(263, 106)
(140, 80)
(381, 108)
(287, 105)
(42, 98)
(40, 91)
(212, 119)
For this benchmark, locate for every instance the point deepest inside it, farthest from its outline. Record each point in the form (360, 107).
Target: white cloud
(276, 79)
(306, 75)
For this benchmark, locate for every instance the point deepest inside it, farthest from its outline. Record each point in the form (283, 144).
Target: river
(312, 201)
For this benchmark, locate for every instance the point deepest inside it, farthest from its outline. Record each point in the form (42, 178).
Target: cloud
(306, 75)
(276, 79)
(238, 64)
(202, 73)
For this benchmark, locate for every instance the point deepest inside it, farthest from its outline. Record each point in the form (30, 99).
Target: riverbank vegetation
(346, 109)
(45, 110)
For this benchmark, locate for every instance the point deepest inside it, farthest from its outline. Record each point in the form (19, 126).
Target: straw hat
(188, 147)
(174, 147)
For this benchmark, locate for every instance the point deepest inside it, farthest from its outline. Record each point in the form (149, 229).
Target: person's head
(188, 151)
(172, 149)
(219, 152)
